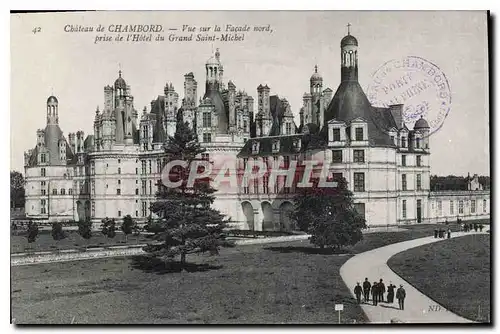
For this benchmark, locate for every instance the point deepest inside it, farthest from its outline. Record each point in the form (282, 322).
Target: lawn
(274, 283)
(455, 273)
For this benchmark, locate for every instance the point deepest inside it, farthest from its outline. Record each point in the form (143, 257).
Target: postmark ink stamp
(418, 84)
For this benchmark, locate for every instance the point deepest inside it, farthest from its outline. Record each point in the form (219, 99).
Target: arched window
(63, 191)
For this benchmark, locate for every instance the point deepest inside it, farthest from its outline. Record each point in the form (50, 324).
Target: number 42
(37, 29)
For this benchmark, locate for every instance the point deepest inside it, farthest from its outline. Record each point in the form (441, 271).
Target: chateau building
(116, 170)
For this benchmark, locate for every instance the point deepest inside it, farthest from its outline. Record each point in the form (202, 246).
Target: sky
(74, 68)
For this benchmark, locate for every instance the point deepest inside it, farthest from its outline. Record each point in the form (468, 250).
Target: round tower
(423, 127)
(349, 57)
(52, 110)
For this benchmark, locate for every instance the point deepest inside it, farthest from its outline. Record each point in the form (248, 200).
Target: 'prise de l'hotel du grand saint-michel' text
(123, 33)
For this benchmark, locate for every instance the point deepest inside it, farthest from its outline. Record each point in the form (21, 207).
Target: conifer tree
(187, 223)
(328, 214)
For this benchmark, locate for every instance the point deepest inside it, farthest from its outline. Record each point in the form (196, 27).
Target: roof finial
(315, 68)
(120, 70)
(348, 28)
(52, 91)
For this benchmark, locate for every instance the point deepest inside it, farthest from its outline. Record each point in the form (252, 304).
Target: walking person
(481, 226)
(381, 290)
(475, 227)
(401, 295)
(366, 289)
(357, 291)
(390, 293)
(375, 293)
(449, 233)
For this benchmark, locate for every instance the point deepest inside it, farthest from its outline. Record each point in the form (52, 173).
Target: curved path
(418, 307)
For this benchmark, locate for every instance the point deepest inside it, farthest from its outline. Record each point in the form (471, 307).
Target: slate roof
(308, 142)
(212, 92)
(349, 103)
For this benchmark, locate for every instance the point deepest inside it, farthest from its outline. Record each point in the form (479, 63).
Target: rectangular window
(404, 209)
(359, 133)
(119, 213)
(54, 191)
(207, 137)
(276, 186)
(144, 187)
(42, 171)
(118, 191)
(452, 209)
(256, 186)
(403, 182)
(440, 208)
(150, 187)
(70, 191)
(158, 165)
(419, 182)
(245, 163)
(136, 213)
(93, 187)
(265, 184)
(473, 206)
(136, 170)
(119, 170)
(207, 120)
(150, 167)
(137, 191)
(336, 134)
(246, 189)
(417, 142)
(359, 156)
(286, 161)
(403, 160)
(288, 128)
(92, 168)
(484, 205)
(42, 206)
(460, 207)
(143, 165)
(205, 156)
(359, 182)
(336, 155)
(360, 209)
(419, 160)
(144, 209)
(245, 126)
(403, 142)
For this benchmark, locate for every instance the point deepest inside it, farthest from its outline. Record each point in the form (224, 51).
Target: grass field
(455, 273)
(274, 283)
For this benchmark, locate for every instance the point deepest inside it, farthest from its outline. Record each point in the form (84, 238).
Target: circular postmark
(416, 83)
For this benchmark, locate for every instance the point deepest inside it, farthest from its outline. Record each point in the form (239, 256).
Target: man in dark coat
(401, 295)
(481, 226)
(366, 289)
(381, 290)
(449, 233)
(357, 291)
(390, 293)
(375, 293)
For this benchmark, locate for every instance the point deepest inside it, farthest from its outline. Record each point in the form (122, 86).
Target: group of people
(470, 227)
(441, 233)
(377, 290)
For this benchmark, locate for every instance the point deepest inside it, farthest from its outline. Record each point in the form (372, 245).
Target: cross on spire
(348, 28)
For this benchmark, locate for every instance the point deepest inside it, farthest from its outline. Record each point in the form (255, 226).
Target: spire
(348, 28)
(315, 68)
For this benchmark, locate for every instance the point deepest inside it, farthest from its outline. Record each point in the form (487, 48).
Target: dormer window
(336, 135)
(276, 146)
(358, 134)
(403, 142)
(297, 144)
(255, 147)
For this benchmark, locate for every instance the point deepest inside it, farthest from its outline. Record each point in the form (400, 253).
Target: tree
(128, 226)
(57, 231)
(16, 189)
(108, 227)
(187, 223)
(328, 214)
(32, 232)
(85, 230)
